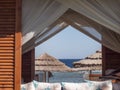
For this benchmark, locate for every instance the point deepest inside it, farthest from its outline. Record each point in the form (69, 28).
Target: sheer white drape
(38, 15)
(45, 35)
(105, 12)
(101, 21)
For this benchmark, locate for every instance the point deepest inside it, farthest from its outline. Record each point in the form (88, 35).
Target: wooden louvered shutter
(10, 45)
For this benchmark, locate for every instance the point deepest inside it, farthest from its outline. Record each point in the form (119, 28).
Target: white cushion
(27, 86)
(75, 86)
(46, 86)
(99, 85)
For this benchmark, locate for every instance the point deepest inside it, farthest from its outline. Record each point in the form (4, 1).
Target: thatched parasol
(92, 62)
(96, 56)
(48, 63)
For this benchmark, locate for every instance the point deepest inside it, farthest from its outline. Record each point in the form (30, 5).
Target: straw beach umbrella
(92, 62)
(48, 63)
(88, 64)
(96, 56)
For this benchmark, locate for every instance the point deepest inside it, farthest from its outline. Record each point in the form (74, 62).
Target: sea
(69, 62)
(67, 76)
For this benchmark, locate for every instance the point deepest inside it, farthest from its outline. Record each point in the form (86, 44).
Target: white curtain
(37, 15)
(99, 19)
(104, 12)
(45, 35)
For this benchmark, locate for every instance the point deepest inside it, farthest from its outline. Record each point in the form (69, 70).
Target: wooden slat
(6, 82)
(6, 61)
(6, 64)
(4, 14)
(2, 88)
(11, 45)
(8, 87)
(7, 1)
(5, 67)
(8, 25)
(7, 17)
(6, 77)
(7, 42)
(6, 70)
(7, 38)
(4, 30)
(6, 58)
(9, 51)
(6, 48)
(7, 20)
(6, 9)
(6, 35)
(7, 73)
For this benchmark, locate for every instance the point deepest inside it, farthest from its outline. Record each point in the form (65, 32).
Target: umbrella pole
(90, 72)
(44, 78)
(47, 77)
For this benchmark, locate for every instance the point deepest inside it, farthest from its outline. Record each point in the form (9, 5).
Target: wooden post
(28, 66)
(17, 81)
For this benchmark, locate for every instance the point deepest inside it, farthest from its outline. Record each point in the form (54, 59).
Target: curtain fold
(38, 15)
(104, 12)
(42, 37)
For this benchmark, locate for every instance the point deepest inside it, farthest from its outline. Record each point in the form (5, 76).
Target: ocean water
(67, 76)
(69, 62)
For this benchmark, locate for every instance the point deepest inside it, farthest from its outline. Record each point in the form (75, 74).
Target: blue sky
(68, 44)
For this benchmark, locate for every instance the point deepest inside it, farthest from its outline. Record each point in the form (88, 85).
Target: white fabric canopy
(99, 19)
(37, 16)
(105, 12)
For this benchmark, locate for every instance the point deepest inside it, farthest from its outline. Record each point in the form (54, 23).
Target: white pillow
(27, 86)
(100, 85)
(46, 86)
(74, 86)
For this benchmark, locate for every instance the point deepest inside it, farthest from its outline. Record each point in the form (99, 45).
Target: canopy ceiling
(99, 19)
